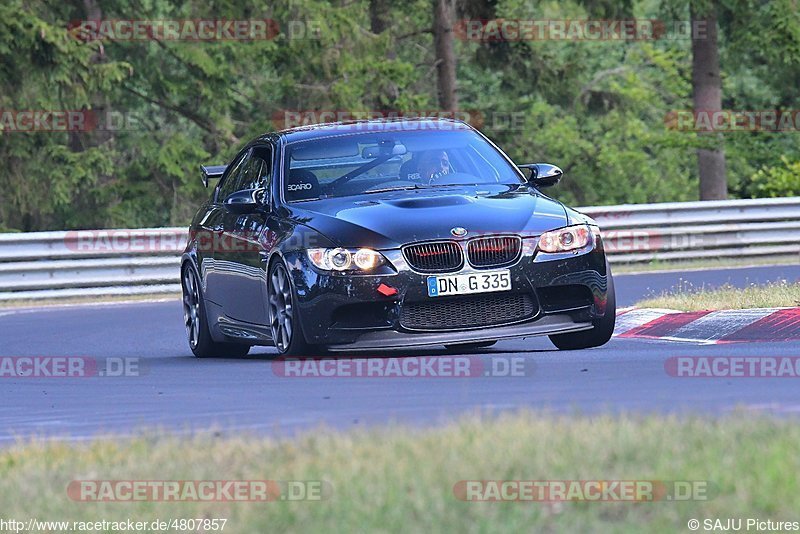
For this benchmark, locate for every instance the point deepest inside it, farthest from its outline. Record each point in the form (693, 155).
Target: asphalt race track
(180, 393)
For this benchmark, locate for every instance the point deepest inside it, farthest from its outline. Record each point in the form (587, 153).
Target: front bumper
(564, 293)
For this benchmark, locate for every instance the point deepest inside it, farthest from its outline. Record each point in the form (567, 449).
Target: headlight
(343, 259)
(564, 239)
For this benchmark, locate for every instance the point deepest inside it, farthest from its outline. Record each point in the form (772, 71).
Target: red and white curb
(710, 327)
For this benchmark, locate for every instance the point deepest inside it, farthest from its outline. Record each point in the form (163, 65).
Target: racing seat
(408, 170)
(302, 185)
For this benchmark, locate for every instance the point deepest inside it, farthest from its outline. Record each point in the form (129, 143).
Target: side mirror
(543, 174)
(243, 202)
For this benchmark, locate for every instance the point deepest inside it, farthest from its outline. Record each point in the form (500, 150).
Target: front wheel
(603, 328)
(196, 321)
(284, 321)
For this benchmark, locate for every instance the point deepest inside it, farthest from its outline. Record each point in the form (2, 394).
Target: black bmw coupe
(389, 234)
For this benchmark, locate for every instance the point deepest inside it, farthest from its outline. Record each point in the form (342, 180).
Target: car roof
(313, 131)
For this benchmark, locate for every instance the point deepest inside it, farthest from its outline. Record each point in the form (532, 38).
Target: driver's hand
(435, 176)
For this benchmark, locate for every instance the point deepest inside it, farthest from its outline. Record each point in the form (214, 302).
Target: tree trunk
(79, 141)
(379, 15)
(707, 96)
(445, 55)
(380, 21)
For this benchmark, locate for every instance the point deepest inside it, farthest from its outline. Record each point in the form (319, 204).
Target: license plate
(463, 284)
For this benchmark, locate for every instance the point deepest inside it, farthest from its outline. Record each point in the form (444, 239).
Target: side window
(259, 173)
(256, 172)
(230, 184)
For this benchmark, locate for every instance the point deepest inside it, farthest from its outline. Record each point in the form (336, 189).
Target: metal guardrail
(672, 231)
(51, 265)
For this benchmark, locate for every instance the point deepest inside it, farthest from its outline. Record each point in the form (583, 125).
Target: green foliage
(778, 181)
(595, 108)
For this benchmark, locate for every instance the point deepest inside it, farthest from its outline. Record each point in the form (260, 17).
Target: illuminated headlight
(565, 239)
(343, 259)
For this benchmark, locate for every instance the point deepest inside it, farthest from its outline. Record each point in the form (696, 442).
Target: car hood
(392, 219)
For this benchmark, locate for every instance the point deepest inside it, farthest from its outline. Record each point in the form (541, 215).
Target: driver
(434, 164)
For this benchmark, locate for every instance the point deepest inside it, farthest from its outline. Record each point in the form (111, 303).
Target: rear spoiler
(212, 171)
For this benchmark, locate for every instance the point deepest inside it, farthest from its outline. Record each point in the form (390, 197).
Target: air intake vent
(493, 251)
(439, 257)
(468, 312)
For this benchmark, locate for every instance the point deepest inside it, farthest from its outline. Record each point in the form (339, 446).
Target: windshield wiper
(398, 188)
(475, 184)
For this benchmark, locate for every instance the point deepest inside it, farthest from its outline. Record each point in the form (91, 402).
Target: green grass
(685, 297)
(401, 479)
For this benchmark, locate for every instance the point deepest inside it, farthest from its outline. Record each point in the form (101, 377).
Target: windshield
(364, 163)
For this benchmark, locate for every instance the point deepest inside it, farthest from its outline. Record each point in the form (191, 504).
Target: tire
(196, 321)
(470, 346)
(284, 321)
(602, 331)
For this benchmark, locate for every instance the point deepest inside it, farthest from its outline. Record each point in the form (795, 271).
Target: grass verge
(778, 294)
(398, 479)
